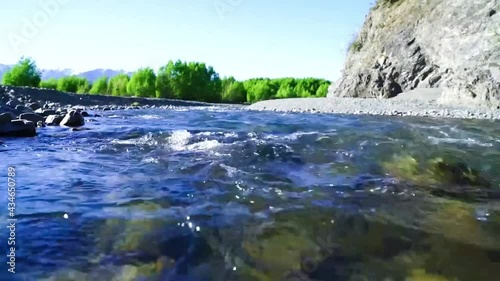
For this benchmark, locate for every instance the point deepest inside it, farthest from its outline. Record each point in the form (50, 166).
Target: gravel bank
(392, 107)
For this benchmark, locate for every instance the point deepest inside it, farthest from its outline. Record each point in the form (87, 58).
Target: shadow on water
(196, 196)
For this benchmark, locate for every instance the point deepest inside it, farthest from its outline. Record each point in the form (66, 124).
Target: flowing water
(216, 194)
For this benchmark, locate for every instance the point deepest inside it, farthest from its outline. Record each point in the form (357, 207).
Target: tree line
(194, 81)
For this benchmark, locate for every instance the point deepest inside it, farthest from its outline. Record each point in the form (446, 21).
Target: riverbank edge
(377, 107)
(42, 96)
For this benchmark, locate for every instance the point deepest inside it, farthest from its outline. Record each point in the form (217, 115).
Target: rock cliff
(453, 45)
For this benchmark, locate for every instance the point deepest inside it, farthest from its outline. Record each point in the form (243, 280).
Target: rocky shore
(419, 103)
(24, 109)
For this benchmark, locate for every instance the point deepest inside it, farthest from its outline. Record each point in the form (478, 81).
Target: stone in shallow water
(437, 175)
(53, 120)
(6, 118)
(33, 105)
(33, 117)
(18, 128)
(73, 119)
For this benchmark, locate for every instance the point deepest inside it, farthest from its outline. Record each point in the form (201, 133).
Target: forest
(194, 81)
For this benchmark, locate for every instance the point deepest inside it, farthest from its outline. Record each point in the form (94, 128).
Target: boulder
(33, 117)
(85, 114)
(18, 128)
(6, 117)
(45, 112)
(21, 109)
(33, 105)
(12, 103)
(404, 45)
(53, 120)
(73, 119)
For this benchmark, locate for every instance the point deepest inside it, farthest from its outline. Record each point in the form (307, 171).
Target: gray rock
(53, 120)
(45, 112)
(34, 105)
(33, 117)
(18, 128)
(12, 103)
(73, 119)
(21, 109)
(406, 45)
(6, 117)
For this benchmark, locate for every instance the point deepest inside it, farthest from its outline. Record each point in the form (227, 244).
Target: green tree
(73, 84)
(234, 92)
(24, 73)
(260, 90)
(286, 91)
(189, 81)
(117, 85)
(164, 88)
(49, 84)
(100, 86)
(322, 90)
(142, 83)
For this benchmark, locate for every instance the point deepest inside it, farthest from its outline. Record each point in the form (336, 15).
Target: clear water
(214, 194)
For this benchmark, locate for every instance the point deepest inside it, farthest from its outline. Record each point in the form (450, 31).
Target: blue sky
(242, 38)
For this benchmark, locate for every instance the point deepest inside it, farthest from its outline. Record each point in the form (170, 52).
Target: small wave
(144, 140)
(180, 141)
(150, 116)
(151, 160)
(467, 141)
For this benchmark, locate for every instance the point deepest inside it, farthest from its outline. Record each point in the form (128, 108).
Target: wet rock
(85, 114)
(34, 105)
(21, 109)
(53, 120)
(40, 124)
(12, 103)
(456, 173)
(45, 112)
(6, 117)
(440, 177)
(79, 129)
(18, 128)
(33, 117)
(73, 119)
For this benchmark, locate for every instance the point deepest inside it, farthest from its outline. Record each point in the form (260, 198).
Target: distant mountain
(91, 75)
(55, 73)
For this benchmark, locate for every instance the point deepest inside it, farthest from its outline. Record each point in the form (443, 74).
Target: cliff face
(406, 44)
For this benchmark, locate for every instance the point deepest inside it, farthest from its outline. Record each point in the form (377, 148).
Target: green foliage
(24, 73)
(233, 91)
(117, 85)
(142, 83)
(49, 84)
(322, 90)
(189, 81)
(100, 86)
(389, 2)
(356, 46)
(73, 84)
(181, 80)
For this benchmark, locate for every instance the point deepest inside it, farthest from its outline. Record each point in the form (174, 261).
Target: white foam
(468, 141)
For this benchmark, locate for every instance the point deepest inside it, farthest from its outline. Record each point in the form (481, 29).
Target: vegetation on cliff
(194, 81)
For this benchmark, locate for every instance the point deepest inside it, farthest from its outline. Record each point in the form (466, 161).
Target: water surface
(214, 194)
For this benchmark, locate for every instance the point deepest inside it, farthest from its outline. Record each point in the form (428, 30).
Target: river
(218, 194)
